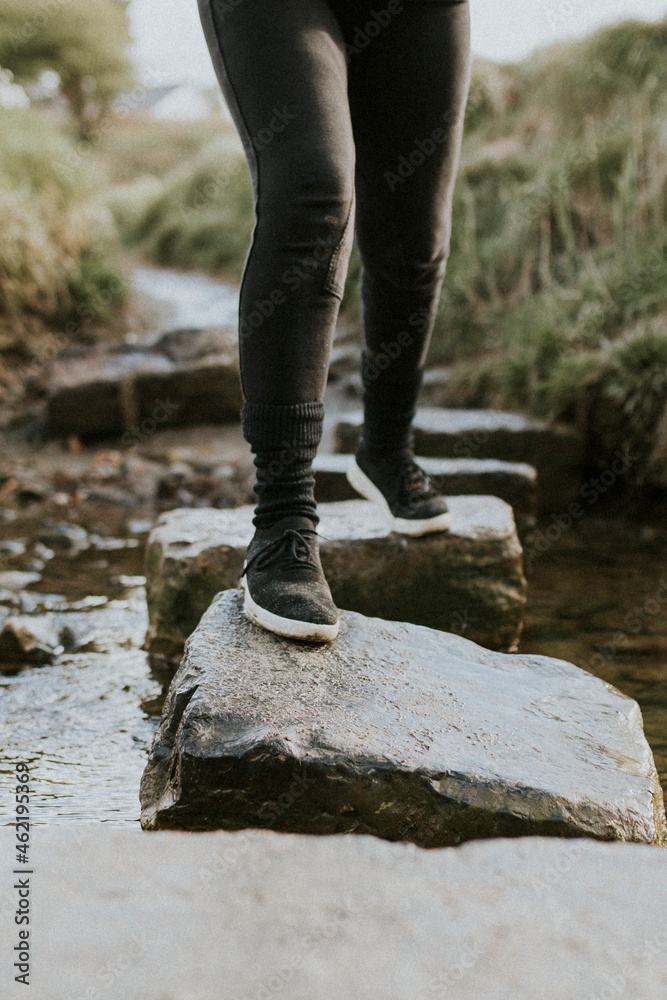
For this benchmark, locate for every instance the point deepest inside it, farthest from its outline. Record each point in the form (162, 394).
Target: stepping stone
(434, 385)
(186, 377)
(29, 640)
(40, 638)
(556, 452)
(513, 482)
(16, 579)
(396, 730)
(259, 915)
(468, 580)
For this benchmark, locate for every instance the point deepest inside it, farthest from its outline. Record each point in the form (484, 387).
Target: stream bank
(86, 721)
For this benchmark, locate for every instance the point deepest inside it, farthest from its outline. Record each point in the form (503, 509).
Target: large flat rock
(397, 730)
(185, 377)
(468, 580)
(256, 915)
(557, 452)
(513, 482)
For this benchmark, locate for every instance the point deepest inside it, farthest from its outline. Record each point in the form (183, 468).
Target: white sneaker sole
(403, 525)
(290, 627)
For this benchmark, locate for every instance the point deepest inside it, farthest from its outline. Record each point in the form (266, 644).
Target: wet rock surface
(188, 376)
(63, 535)
(256, 915)
(396, 730)
(556, 452)
(435, 383)
(207, 465)
(29, 640)
(468, 580)
(513, 482)
(15, 580)
(42, 626)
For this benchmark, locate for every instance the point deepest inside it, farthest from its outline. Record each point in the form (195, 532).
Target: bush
(635, 384)
(59, 248)
(202, 215)
(130, 149)
(559, 243)
(558, 269)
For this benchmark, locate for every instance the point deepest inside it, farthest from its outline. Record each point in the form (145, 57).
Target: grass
(201, 213)
(59, 253)
(555, 296)
(129, 148)
(556, 292)
(557, 277)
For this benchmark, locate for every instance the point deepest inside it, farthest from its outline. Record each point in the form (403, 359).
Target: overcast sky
(169, 45)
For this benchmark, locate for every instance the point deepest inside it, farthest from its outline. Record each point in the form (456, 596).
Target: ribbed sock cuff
(284, 440)
(267, 425)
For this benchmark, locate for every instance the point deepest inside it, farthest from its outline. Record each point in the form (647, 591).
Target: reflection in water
(598, 598)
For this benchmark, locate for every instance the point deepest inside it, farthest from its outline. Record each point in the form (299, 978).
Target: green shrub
(59, 250)
(557, 275)
(130, 149)
(203, 214)
(559, 239)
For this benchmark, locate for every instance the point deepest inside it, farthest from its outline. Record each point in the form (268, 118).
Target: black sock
(284, 440)
(389, 408)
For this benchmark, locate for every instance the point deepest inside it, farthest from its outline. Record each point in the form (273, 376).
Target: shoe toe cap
(289, 601)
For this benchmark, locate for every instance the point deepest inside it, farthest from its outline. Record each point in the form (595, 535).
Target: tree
(84, 41)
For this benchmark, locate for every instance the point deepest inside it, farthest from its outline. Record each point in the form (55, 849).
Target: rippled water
(85, 722)
(79, 725)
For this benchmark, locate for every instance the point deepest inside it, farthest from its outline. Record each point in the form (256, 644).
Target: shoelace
(291, 545)
(412, 478)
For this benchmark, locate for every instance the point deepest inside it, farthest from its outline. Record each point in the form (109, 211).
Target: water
(85, 723)
(598, 598)
(79, 725)
(193, 299)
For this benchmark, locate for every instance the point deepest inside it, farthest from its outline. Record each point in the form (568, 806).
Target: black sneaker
(410, 504)
(285, 589)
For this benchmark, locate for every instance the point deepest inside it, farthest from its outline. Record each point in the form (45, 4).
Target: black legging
(333, 98)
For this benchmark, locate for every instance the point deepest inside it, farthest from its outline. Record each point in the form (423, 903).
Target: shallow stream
(85, 722)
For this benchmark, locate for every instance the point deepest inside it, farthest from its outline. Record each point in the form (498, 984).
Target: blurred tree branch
(84, 41)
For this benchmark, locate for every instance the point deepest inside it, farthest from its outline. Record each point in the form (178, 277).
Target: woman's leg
(408, 86)
(281, 65)
(282, 68)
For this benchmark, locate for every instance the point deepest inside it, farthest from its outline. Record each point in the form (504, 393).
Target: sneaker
(285, 588)
(403, 491)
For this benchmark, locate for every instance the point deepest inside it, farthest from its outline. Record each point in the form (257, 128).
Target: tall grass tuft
(201, 215)
(557, 278)
(559, 245)
(59, 262)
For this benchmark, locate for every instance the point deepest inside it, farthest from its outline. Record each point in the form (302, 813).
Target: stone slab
(513, 482)
(29, 640)
(397, 730)
(256, 915)
(557, 452)
(468, 580)
(185, 377)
